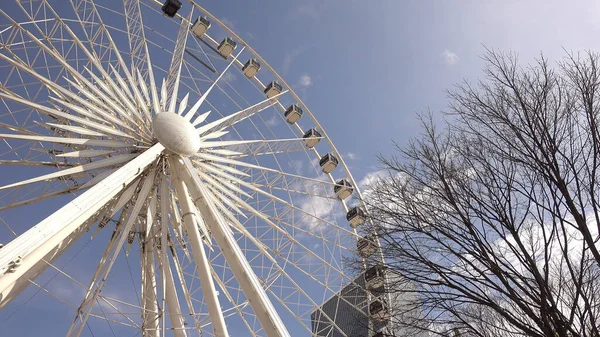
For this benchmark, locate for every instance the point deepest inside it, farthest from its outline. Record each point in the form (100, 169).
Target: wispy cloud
(273, 121)
(319, 209)
(450, 57)
(305, 80)
(289, 58)
(228, 23)
(229, 77)
(352, 156)
(308, 10)
(372, 177)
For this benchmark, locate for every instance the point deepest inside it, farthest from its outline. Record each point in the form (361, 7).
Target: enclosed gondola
(226, 47)
(378, 310)
(311, 138)
(328, 163)
(343, 189)
(250, 68)
(293, 113)
(200, 26)
(273, 89)
(170, 7)
(375, 277)
(366, 246)
(356, 216)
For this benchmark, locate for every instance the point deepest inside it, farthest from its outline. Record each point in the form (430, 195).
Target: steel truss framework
(245, 234)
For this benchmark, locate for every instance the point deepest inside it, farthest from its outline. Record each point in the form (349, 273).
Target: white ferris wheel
(160, 179)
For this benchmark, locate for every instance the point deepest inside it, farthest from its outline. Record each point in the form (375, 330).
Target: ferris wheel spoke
(111, 253)
(75, 170)
(101, 115)
(270, 320)
(90, 19)
(70, 141)
(59, 114)
(137, 38)
(66, 66)
(257, 187)
(190, 220)
(36, 199)
(282, 272)
(49, 238)
(114, 109)
(174, 73)
(190, 113)
(237, 117)
(172, 300)
(185, 289)
(150, 314)
(174, 309)
(93, 58)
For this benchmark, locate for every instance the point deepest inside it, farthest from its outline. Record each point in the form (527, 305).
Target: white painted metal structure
(208, 213)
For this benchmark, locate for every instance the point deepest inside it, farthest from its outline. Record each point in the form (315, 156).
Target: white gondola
(170, 7)
(375, 277)
(356, 217)
(378, 310)
(293, 113)
(366, 246)
(226, 47)
(343, 189)
(200, 26)
(273, 89)
(251, 68)
(328, 163)
(311, 138)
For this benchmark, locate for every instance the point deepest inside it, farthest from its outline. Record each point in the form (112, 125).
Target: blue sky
(366, 68)
(373, 66)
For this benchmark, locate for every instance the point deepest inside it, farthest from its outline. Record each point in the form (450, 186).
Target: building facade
(348, 310)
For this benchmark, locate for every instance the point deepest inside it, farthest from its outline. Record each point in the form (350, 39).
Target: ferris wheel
(160, 178)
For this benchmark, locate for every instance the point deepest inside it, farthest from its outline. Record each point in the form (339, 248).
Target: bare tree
(495, 218)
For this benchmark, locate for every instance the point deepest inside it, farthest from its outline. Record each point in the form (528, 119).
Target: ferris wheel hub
(176, 133)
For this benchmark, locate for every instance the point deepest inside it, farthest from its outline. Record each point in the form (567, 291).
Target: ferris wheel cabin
(311, 138)
(343, 189)
(328, 163)
(356, 216)
(374, 277)
(366, 246)
(378, 310)
(293, 113)
(170, 7)
(251, 68)
(200, 26)
(226, 47)
(273, 89)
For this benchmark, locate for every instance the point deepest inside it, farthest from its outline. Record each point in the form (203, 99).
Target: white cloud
(352, 156)
(450, 57)
(305, 80)
(272, 121)
(289, 58)
(320, 208)
(298, 165)
(309, 10)
(228, 23)
(229, 77)
(372, 177)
